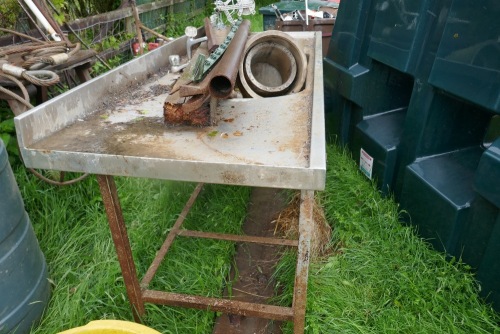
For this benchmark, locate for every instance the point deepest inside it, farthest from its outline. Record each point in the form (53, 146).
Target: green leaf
(5, 137)
(12, 147)
(7, 125)
(59, 18)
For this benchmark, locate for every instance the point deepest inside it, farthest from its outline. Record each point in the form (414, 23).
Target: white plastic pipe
(43, 20)
(307, 14)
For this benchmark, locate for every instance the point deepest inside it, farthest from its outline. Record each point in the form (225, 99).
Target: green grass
(177, 22)
(382, 278)
(256, 21)
(87, 284)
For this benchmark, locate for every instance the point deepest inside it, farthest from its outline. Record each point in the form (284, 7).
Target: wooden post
(129, 28)
(137, 25)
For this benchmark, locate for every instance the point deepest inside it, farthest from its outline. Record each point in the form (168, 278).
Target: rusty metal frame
(139, 293)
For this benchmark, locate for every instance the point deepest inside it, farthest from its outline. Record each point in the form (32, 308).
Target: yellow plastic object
(111, 327)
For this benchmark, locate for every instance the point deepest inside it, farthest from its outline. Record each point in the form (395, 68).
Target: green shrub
(9, 13)
(8, 132)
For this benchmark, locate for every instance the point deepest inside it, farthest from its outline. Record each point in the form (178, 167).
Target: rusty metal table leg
(138, 297)
(122, 243)
(301, 273)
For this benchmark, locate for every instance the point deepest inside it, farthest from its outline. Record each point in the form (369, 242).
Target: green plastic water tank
(24, 288)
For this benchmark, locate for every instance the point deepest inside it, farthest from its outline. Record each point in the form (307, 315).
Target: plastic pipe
(307, 14)
(43, 20)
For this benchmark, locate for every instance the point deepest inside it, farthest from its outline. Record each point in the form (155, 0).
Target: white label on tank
(366, 164)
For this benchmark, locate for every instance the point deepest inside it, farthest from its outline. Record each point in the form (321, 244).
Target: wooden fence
(111, 33)
(111, 29)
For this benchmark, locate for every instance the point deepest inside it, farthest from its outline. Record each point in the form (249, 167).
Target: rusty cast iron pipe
(220, 80)
(224, 74)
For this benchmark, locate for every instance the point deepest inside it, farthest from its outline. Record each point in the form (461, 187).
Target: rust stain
(175, 114)
(233, 178)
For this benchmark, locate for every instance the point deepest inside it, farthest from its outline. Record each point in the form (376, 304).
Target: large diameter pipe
(224, 74)
(269, 56)
(270, 69)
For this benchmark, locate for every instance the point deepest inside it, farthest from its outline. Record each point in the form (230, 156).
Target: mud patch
(255, 265)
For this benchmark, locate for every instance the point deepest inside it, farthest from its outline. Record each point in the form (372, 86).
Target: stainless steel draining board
(113, 125)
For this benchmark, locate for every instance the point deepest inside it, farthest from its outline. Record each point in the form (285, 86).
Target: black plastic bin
(413, 88)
